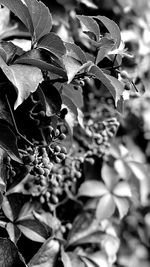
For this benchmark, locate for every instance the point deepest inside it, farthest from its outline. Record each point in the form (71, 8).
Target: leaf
(122, 189)
(25, 79)
(41, 18)
(74, 259)
(47, 254)
(38, 59)
(8, 142)
(89, 262)
(92, 189)
(75, 95)
(138, 169)
(109, 176)
(122, 205)
(3, 173)
(9, 255)
(21, 11)
(122, 168)
(52, 43)
(89, 24)
(105, 45)
(33, 229)
(112, 84)
(65, 258)
(73, 50)
(72, 66)
(112, 27)
(13, 232)
(7, 50)
(105, 207)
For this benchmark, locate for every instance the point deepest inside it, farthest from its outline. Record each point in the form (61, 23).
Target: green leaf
(122, 205)
(71, 259)
(109, 176)
(8, 142)
(9, 255)
(76, 52)
(41, 18)
(75, 95)
(122, 189)
(112, 27)
(52, 43)
(89, 24)
(21, 11)
(72, 67)
(105, 207)
(37, 58)
(138, 169)
(3, 173)
(92, 188)
(25, 79)
(89, 262)
(111, 83)
(65, 258)
(13, 232)
(47, 254)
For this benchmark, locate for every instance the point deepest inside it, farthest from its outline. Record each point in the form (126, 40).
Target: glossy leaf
(105, 45)
(109, 176)
(8, 142)
(41, 18)
(6, 207)
(111, 83)
(72, 67)
(25, 79)
(73, 259)
(92, 188)
(9, 255)
(65, 258)
(36, 58)
(7, 50)
(52, 43)
(138, 169)
(89, 24)
(13, 232)
(105, 207)
(47, 254)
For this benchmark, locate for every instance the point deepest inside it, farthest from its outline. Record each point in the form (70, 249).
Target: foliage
(74, 103)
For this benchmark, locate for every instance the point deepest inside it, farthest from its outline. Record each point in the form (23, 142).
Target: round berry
(57, 132)
(57, 149)
(42, 114)
(61, 156)
(63, 150)
(62, 136)
(54, 199)
(57, 159)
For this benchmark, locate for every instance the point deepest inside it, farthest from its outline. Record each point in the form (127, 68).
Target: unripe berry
(42, 114)
(57, 149)
(62, 136)
(54, 199)
(61, 156)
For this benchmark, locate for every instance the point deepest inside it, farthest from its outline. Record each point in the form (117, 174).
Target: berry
(54, 199)
(62, 136)
(61, 156)
(57, 159)
(57, 132)
(63, 150)
(57, 149)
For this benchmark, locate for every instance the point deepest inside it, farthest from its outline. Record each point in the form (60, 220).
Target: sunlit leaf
(76, 52)
(72, 67)
(92, 188)
(109, 176)
(75, 95)
(7, 50)
(13, 232)
(105, 45)
(122, 205)
(105, 207)
(122, 189)
(47, 254)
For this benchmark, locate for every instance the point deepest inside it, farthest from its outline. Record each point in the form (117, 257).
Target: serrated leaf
(13, 232)
(35, 58)
(25, 79)
(122, 189)
(92, 188)
(89, 24)
(105, 207)
(41, 18)
(21, 11)
(8, 142)
(111, 83)
(47, 254)
(112, 27)
(122, 205)
(52, 43)
(9, 255)
(33, 230)
(76, 52)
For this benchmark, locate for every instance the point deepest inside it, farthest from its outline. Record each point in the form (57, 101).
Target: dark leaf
(52, 43)
(3, 174)
(112, 28)
(21, 11)
(35, 58)
(7, 50)
(8, 142)
(105, 45)
(115, 87)
(41, 18)
(75, 95)
(9, 255)
(25, 79)
(76, 52)
(47, 254)
(53, 99)
(89, 24)
(92, 188)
